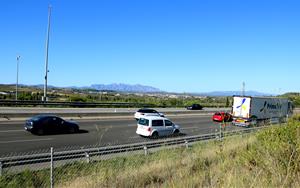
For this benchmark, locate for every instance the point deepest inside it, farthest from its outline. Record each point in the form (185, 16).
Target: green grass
(270, 158)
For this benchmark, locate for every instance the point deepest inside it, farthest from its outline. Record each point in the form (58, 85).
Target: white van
(155, 126)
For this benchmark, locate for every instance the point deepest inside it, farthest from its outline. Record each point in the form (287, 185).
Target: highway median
(75, 113)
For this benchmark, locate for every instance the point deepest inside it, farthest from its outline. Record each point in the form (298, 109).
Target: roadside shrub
(77, 98)
(276, 154)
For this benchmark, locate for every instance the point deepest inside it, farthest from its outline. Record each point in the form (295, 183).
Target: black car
(43, 124)
(195, 107)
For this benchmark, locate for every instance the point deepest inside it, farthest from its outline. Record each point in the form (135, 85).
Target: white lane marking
(32, 140)
(135, 137)
(190, 128)
(10, 122)
(7, 131)
(132, 125)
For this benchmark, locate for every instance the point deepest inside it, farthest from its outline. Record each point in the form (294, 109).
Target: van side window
(168, 123)
(156, 123)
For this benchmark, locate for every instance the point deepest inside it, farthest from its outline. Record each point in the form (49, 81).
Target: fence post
(145, 150)
(87, 157)
(186, 144)
(51, 168)
(221, 132)
(1, 168)
(216, 134)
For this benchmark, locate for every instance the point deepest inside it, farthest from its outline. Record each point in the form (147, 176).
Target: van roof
(154, 118)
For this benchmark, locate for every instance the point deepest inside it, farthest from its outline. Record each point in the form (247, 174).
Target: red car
(222, 117)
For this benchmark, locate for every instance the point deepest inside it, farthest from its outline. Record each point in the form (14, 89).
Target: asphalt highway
(14, 140)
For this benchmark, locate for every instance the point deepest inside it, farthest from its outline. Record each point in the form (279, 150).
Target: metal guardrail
(72, 104)
(8, 162)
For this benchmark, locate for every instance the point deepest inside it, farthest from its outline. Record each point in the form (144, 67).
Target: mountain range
(231, 93)
(149, 89)
(126, 88)
(137, 88)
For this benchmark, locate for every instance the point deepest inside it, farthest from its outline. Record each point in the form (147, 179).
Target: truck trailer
(253, 111)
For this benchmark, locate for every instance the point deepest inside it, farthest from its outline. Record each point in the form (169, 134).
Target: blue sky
(174, 45)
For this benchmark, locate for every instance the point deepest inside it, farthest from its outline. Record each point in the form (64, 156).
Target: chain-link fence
(52, 166)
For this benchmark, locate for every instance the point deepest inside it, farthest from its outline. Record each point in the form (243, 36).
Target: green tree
(227, 102)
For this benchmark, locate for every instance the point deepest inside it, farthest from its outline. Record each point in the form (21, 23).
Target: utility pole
(18, 59)
(243, 89)
(46, 60)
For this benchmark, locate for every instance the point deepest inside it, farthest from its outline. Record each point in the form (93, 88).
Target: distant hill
(231, 93)
(138, 89)
(112, 87)
(126, 88)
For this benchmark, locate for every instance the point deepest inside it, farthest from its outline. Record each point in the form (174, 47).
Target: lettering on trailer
(268, 106)
(264, 107)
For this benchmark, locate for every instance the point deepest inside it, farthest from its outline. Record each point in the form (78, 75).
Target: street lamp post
(46, 60)
(18, 59)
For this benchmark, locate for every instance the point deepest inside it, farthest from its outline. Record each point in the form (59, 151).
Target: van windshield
(143, 121)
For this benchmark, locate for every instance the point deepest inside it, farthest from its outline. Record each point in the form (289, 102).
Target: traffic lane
(97, 133)
(11, 126)
(11, 123)
(191, 125)
(96, 127)
(10, 132)
(112, 134)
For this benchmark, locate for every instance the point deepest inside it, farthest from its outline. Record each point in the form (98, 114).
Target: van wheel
(176, 132)
(154, 135)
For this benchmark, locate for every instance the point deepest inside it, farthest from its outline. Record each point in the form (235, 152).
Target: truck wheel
(282, 120)
(254, 121)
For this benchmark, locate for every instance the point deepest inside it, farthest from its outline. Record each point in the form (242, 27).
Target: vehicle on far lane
(147, 112)
(44, 124)
(222, 117)
(195, 107)
(155, 126)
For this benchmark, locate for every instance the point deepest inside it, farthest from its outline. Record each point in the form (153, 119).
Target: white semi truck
(252, 111)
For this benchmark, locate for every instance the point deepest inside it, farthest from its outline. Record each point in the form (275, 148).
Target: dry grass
(203, 165)
(248, 161)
